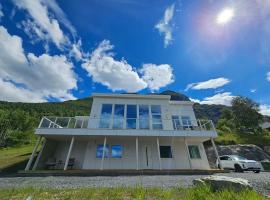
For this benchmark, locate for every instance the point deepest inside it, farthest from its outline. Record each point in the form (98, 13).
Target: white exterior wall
(179, 158)
(168, 108)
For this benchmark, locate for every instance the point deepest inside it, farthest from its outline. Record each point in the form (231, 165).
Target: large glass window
(118, 117)
(194, 152)
(156, 116)
(144, 116)
(131, 116)
(186, 121)
(176, 122)
(165, 151)
(117, 151)
(105, 117)
(99, 151)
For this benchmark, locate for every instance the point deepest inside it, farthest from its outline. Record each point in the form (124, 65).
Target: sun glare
(225, 16)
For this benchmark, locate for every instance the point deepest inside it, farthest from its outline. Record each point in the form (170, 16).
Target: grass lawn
(14, 158)
(198, 193)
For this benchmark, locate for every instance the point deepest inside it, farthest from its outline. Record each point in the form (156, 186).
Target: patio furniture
(51, 163)
(71, 163)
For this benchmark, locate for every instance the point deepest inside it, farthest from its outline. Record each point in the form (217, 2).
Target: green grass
(198, 193)
(14, 158)
(233, 138)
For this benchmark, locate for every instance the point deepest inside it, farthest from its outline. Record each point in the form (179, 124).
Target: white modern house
(125, 132)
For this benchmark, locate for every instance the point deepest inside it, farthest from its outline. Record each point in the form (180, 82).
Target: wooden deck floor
(119, 172)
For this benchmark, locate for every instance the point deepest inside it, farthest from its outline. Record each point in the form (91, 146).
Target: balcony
(83, 125)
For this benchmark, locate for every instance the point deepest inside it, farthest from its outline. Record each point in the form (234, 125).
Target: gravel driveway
(261, 181)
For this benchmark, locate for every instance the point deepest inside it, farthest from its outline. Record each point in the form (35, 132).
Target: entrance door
(147, 157)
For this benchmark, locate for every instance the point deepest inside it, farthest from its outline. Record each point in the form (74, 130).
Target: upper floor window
(144, 116)
(186, 121)
(118, 116)
(156, 117)
(176, 122)
(105, 118)
(131, 117)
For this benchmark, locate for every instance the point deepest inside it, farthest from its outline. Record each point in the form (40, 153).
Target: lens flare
(225, 16)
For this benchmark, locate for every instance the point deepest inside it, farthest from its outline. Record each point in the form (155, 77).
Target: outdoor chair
(71, 163)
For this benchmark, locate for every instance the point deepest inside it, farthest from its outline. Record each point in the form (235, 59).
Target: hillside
(83, 106)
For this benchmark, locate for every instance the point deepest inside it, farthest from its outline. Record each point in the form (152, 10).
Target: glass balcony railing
(123, 123)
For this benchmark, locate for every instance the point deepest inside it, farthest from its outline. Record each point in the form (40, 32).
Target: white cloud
(253, 90)
(268, 76)
(120, 75)
(224, 98)
(9, 92)
(76, 51)
(209, 84)
(265, 109)
(116, 75)
(157, 76)
(44, 25)
(48, 76)
(164, 26)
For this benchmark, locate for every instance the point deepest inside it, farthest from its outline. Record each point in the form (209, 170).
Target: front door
(147, 157)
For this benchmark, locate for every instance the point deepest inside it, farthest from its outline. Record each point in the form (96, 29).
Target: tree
(246, 116)
(226, 122)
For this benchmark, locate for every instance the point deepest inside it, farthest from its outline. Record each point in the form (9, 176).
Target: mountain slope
(83, 106)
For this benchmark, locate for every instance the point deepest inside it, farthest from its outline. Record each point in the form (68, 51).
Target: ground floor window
(165, 151)
(194, 152)
(99, 151)
(117, 151)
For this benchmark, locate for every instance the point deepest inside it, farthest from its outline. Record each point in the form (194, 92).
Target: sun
(225, 16)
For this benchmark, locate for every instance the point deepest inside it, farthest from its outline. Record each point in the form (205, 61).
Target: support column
(137, 153)
(216, 152)
(39, 155)
(160, 167)
(189, 161)
(32, 155)
(69, 152)
(103, 153)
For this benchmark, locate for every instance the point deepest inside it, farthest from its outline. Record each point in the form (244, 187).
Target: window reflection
(118, 117)
(144, 116)
(131, 116)
(105, 118)
(156, 117)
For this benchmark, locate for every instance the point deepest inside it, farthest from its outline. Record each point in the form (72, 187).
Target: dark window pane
(144, 123)
(117, 151)
(99, 151)
(157, 126)
(106, 109)
(186, 121)
(131, 111)
(131, 124)
(165, 151)
(194, 152)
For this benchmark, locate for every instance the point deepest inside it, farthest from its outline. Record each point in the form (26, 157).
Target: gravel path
(261, 181)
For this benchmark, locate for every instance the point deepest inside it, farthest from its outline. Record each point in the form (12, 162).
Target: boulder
(223, 182)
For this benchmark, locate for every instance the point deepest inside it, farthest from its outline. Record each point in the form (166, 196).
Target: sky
(209, 50)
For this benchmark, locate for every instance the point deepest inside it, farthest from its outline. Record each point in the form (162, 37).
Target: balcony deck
(80, 126)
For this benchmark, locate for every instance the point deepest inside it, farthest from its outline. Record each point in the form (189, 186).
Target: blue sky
(209, 50)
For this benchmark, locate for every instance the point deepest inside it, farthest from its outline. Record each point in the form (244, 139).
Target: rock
(223, 182)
